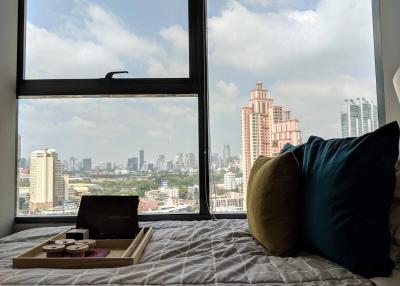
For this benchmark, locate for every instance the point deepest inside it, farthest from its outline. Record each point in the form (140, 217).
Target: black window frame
(196, 83)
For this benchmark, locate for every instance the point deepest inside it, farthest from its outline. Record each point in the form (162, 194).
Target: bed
(219, 252)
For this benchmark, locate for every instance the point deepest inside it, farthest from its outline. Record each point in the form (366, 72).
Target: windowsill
(153, 217)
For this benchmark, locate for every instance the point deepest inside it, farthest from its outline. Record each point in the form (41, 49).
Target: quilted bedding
(218, 252)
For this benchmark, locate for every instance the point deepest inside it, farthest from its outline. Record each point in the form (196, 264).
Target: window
(186, 123)
(108, 146)
(87, 39)
(85, 130)
(313, 75)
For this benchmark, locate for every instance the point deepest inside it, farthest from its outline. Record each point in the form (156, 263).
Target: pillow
(395, 210)
(347, 192)
(395, 221)
(272, 203)
(298, 151)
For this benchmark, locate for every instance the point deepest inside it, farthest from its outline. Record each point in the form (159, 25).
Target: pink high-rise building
(266, 128)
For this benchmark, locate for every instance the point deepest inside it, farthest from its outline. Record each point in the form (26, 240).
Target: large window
(85, 128)
(112, 146)
(280, 71)
(207, 91)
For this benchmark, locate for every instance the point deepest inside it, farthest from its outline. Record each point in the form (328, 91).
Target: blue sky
(308, 60)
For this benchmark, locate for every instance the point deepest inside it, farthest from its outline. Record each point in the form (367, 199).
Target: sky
(310, 55)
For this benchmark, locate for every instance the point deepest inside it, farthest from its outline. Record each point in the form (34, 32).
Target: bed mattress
(220, 252)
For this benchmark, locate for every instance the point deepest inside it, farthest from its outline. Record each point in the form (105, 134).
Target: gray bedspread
(218, 252)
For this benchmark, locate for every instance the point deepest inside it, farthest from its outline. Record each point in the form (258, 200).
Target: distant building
(64, 165)
(229, 181)
(69, 192)
(189, 161)
(170, 192)
(229, 202)
(170, 166)
(73, 164)
(265, 129)
(360, 117)
(22, 163)
(194, 193)
(146, 205)
(179, 161)
(161, 164)
(47, 185)
(109, 166)
(164, 183)
(141, 159)
(226, 154)
(148, 167)
(87, 164)
(133, 164)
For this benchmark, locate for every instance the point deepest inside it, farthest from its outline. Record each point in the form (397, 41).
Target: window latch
(111, 74)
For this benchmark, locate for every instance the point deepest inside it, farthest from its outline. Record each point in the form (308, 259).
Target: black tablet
(109, 217)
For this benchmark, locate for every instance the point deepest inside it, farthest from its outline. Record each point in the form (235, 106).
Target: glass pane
(86, 39)
(69, 148)
(288, 71)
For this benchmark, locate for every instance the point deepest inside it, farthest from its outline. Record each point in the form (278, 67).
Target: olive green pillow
(272, 203)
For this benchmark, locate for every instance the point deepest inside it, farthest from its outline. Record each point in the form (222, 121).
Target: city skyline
(55, 186)
(94, 164)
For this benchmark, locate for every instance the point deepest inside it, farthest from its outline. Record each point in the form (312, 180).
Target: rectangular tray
(123, 252)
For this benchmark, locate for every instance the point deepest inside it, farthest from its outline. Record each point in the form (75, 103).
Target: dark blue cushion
(297, 150)
(347, 192)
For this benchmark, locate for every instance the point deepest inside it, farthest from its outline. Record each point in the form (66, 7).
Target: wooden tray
(123, 252)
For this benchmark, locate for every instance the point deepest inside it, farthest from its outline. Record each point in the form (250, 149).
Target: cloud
(52, 56)
(225, 99)
(293, 43)
(77, 122)
(94, 41)
(176, 36)
(318, 103)
(225, 105)
(266, 3)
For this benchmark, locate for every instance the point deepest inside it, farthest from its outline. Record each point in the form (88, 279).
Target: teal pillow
(297, 150)
(348, 188)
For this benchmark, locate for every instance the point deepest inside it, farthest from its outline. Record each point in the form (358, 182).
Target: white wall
(390, 41)
(8, 59)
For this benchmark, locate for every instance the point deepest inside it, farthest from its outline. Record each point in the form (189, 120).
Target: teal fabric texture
(348, 187)
(347, 191)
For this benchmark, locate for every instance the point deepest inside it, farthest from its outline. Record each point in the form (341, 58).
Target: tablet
(109, 217)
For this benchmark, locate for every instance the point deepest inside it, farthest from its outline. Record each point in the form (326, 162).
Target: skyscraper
(141, 159)
(265, 129)
(133, 164)
(87, 164)
(109, 166)
(226, 153)
(73, 164)
(360, 117)
(189, 161)
(179, 161)
(161, 164)
(47, 187)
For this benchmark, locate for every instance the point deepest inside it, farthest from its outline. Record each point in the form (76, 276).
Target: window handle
(111, 74)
